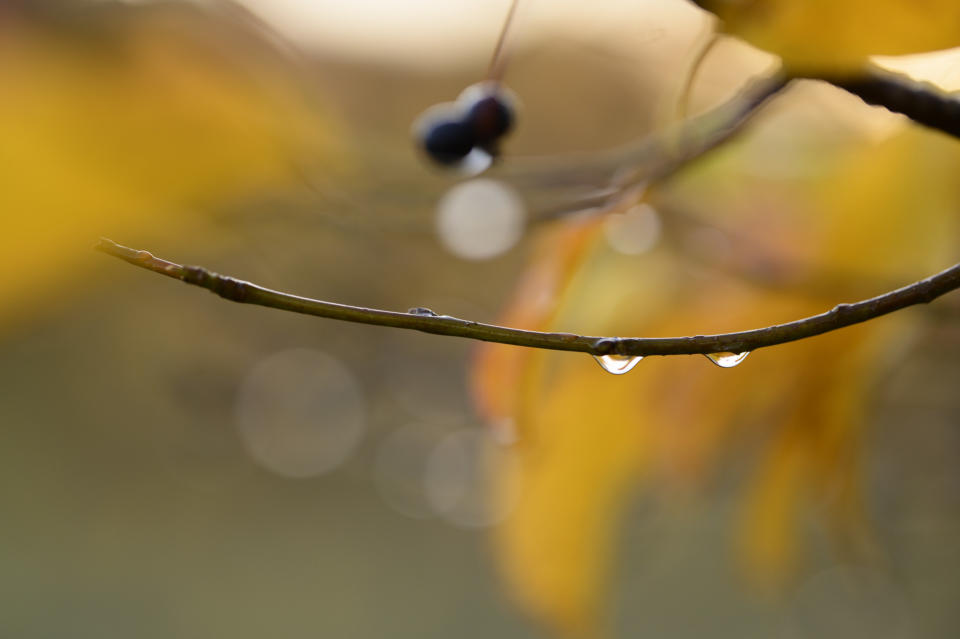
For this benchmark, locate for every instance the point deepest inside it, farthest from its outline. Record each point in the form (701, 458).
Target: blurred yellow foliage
(875, 214)
(130, 120)
(839, 35)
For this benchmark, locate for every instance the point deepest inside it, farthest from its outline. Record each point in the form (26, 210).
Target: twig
(661, 155)
(498, 61)
(922, 102)
(654, 159)
(426, 321)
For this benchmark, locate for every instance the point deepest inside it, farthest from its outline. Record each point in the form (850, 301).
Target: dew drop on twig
(727, 360)
(617, 364)
(420, 310)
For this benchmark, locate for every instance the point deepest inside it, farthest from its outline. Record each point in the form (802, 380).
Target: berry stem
(498, 61)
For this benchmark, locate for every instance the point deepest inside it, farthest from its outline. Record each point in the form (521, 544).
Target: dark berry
(491, 119)
(490, 111)
(447, 141)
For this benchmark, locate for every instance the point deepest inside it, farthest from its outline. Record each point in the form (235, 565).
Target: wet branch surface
(842, 315)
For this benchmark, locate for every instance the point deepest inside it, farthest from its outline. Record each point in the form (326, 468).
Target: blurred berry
(466, 134)
(491, 117)
(447, 141)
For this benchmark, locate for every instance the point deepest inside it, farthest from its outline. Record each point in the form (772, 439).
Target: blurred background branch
(922, 102)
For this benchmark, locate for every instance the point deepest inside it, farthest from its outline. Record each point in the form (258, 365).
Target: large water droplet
(727, 360)
(617, 364)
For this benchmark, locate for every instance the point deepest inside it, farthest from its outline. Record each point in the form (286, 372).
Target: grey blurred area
(175, 465)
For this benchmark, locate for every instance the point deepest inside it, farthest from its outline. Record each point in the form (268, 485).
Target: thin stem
(498, 59)
(683, 101)
(922, 102)
(842, 315)
(656, 158)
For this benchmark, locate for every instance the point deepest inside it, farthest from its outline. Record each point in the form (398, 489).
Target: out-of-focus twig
(424, 320)
(655, 158)
(922, 102)
(660, 155)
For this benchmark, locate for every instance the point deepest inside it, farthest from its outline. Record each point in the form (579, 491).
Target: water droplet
(727, 360)
(617, 364)
(420, 310)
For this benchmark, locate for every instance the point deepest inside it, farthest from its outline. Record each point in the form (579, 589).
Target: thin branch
(661, 155)
(655, 158)
(922, 102)
(498, 61)
(427, 321)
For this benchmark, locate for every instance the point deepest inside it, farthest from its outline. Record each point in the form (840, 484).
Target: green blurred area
(131, 507)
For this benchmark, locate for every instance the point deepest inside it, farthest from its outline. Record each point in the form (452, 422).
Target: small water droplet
(420, 310)
(617, 364)
(727, 360)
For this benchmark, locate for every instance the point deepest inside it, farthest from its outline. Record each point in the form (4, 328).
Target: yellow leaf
(839, 35)
(135, 120)
(877, 216)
